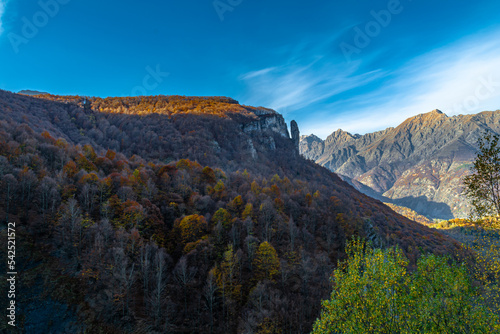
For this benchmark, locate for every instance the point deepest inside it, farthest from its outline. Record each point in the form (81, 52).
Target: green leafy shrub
(375, 292)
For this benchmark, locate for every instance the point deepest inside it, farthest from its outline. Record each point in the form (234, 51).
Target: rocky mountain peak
(313, 145)
(340, 137)
(436, 114)
(310, 138)
(421, 122)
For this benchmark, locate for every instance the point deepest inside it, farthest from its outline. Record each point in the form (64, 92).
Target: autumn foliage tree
(266, 262)
(374, 291)
(192, 228)
(483, 186)
(227, 275)
(222, 217)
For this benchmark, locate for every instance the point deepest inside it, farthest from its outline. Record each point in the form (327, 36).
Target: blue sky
(356, 65)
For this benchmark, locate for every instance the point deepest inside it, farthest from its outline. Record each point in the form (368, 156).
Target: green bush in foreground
(373, 292)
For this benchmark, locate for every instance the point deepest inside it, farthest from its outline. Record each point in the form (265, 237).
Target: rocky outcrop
(419, 164)
(267, 119)
(294, 129)
(251, 148)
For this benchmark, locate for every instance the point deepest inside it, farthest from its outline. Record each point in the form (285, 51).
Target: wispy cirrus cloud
(3, 4)
(309, 75)
(327, 94)
(462, 78)
(293, 86)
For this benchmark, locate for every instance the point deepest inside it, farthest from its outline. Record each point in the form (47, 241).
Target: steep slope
(178, 214)
(418, 164)
(404, 211)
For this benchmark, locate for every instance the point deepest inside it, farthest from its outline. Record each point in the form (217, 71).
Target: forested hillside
(176, 215)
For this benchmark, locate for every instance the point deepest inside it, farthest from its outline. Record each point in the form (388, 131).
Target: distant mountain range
(419, 164)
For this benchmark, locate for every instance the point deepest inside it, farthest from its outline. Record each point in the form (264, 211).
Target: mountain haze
(419, 164)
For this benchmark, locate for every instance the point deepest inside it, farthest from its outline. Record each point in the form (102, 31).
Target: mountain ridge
(420, 158)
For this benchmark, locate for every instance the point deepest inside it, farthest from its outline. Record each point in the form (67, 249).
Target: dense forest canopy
(161, 104)
(156, 214)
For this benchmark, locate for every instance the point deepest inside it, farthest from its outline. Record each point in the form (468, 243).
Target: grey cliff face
(267, 119)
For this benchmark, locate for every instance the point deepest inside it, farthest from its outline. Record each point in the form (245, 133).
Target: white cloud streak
(460, 78)
(292, 86)
(3, 4)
